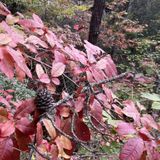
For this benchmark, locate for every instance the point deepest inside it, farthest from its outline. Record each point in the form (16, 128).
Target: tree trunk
(95, 23)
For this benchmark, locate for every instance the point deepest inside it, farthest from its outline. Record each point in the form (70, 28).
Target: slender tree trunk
(95, 23)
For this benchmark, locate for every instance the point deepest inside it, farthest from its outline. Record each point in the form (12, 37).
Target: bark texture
(97, 12)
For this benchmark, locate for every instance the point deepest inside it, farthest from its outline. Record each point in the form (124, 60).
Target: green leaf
(109, 119)
(156, 105)
(152, 97)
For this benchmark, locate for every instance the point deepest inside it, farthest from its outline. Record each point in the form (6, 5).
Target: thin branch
(58, 129)
(36, 150)
(110, 80)
(86, 88)
(60, 102)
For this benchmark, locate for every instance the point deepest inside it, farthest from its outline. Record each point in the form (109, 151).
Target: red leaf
(6, 149)
(53, 40)
(92, 48)
(82, 130)
(97, 73)
(20, 73)
(108, 65)
(25, 108)
(19, 59)
(131, 111)
(39, 134)
(75, 54)
(76, 27)
(108, 92)
(124, 128)
(145, 135)
(65, 142)
(25, 126)
(16, 153)
(22, 140)
(90, 77)
(16, 36)
(36, 41)
(7, 129)
(3, 10)
(148, 121)
(117, 110)
(29, 23)
(102, 97)
(64, 111)
(41, 74)
(60, 142)
(59, 57)
(38, 20)
(132, 149)
(96, 111)
(6, 63)
(79, 104)
(57, 69)
(90, 56)
(56, 81)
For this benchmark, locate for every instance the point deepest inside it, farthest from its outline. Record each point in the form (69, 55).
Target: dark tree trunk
(97, 12)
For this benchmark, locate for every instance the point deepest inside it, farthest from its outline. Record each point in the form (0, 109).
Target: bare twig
(58, 129)
(110, 80)
(86, 88)
(41, 154)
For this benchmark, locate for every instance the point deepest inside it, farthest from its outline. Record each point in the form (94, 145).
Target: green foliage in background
(21, 90)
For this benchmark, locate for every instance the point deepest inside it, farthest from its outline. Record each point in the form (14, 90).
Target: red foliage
(72, 117)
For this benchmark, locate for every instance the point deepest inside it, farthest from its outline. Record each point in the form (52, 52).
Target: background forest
(80, 79)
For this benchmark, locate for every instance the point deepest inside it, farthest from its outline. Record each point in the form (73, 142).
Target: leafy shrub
(52, 127)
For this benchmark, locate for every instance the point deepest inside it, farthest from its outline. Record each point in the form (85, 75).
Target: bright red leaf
(25, 108)
(22, 140)
(6, 149)
(7, 129)
(6, 63)
(82, 130)
(19, 59)
(25, 126)
(131, 111)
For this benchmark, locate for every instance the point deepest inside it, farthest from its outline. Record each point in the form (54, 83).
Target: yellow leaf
(50, 128)
(10, 19)
(4, 39)
(66, 142)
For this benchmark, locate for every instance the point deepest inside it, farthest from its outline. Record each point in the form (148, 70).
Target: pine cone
(44, 99)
